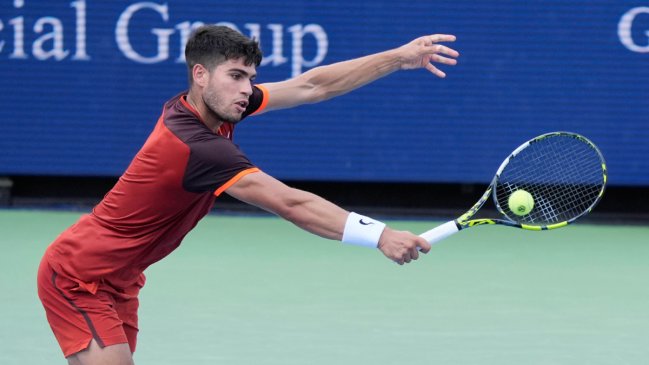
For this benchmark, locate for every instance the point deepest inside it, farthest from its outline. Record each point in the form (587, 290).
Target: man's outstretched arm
(325, 82)
(321, 217)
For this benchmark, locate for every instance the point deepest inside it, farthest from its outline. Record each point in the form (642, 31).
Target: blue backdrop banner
(83, 83)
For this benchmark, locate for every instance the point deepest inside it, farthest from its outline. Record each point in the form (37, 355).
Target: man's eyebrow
(243, 72)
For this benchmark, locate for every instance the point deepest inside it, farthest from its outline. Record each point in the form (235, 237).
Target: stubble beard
(211, 105)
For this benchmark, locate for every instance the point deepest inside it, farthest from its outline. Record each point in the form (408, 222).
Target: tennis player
(90, 276)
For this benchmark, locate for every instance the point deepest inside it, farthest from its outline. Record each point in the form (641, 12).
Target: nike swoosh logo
(365, 223)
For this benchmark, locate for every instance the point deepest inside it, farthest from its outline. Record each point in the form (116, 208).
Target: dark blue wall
(83, 106)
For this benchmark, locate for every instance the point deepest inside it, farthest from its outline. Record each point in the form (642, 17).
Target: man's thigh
(78, 317)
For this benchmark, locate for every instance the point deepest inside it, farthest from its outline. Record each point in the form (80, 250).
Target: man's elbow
(292, 208)
(314, 90)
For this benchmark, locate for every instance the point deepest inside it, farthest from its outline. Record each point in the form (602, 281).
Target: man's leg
(83, 322)
(119, 354)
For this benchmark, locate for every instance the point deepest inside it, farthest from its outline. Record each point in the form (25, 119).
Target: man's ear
(200, 75)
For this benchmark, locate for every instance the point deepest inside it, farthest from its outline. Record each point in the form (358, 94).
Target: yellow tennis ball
(521, 202)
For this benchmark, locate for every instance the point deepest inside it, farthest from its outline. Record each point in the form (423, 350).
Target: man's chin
(232, 121)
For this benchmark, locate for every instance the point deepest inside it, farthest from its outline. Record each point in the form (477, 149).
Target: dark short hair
(210, 45)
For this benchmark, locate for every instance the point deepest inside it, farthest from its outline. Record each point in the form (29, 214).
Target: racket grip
(440, 232)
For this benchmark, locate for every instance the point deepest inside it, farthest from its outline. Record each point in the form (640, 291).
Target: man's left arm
(325, 82)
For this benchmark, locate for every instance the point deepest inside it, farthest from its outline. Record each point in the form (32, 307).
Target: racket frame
(464, 221)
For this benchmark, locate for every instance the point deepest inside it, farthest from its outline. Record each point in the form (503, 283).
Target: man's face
(228, 89)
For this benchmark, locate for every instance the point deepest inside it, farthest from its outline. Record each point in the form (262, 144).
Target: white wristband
(362, 231)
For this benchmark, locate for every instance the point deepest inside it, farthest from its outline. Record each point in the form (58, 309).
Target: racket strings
(564, 175)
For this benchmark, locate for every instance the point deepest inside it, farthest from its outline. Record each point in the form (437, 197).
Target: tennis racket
(564, 173)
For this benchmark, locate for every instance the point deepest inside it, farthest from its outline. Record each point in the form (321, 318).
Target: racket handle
(440, 232)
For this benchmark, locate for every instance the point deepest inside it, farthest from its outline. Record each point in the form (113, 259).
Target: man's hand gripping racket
(548, 182)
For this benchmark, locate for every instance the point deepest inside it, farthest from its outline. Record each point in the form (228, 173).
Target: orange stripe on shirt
(236, 178)
(264, 102)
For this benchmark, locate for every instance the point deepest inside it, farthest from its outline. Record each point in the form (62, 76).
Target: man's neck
(207, 117)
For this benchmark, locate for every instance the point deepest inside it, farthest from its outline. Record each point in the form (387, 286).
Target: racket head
(563, 171)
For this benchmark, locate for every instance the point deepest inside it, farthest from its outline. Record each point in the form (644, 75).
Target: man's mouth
(243, 104)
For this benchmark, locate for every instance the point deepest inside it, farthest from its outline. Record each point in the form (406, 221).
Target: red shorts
(77, 316)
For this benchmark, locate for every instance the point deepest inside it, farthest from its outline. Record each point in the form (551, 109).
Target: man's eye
(236, 76)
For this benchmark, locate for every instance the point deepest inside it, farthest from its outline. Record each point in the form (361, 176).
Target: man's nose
(247, 89)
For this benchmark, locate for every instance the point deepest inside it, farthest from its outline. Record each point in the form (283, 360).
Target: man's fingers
(438, 49)
(445, 60)
(437, 72)
(436, 38)
(414, 253)
(404, 247)
(404, 257)
(423, 245)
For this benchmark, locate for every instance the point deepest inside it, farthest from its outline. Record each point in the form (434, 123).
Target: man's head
(222, 65)
(211, 45)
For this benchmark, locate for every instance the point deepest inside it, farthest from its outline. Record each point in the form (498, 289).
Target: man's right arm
(317, 215)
